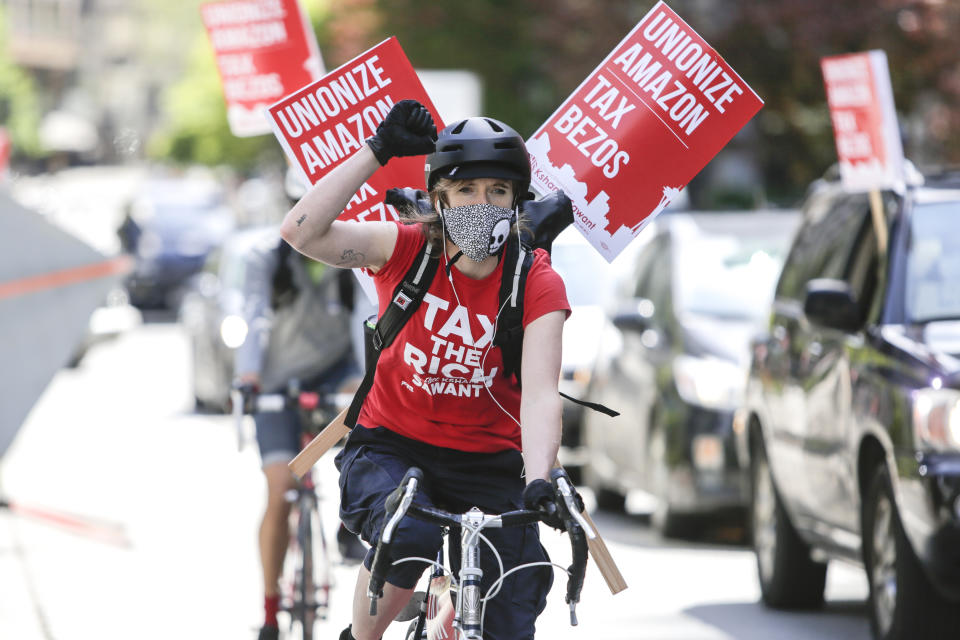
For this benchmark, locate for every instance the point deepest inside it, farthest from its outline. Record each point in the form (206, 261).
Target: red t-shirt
(432, 383)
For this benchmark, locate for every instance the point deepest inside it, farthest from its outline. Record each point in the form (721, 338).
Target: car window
(212, 263)
(233, 271)
(658, 288)
(641, 270)
(728, 276)
(861, 270)
(933, 263)
(822, 245)
(649, 262)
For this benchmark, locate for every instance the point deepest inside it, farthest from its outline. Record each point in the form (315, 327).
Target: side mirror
(635, 316)
(831, 303)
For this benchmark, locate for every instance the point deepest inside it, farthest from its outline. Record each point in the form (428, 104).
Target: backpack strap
(509, 336)
(517, 261)
(407, 297)
(283, 288)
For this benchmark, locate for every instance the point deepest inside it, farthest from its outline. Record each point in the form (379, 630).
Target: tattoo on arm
(351, 258)
(301, 219)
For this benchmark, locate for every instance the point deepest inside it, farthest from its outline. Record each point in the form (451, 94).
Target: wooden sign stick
(320, 444)
(334, 431)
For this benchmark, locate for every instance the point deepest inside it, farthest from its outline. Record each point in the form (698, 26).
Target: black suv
(851, 424)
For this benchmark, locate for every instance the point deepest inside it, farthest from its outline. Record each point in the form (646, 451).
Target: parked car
(674, 364)
(170, 227)
(211, 313)
(852, 411)
(591, 283)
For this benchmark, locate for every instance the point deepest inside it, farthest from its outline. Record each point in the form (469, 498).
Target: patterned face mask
(479, 230)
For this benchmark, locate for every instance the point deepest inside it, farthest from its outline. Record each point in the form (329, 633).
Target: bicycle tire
(322, 566)
(305, 610)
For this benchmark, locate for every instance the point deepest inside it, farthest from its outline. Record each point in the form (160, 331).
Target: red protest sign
(864, 120)
(636, 131)
(265, 49)
(326, 122)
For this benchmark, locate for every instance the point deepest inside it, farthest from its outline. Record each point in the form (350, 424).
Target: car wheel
(789, 578)
(903, 603)
(607, 499)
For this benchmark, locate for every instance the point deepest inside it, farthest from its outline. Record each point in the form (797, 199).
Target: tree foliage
(532, 53)
(18, 101)
(777, 46)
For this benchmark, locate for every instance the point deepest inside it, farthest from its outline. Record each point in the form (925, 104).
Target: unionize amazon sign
(636, 131)
(326, 122)
(265, 49)
(864, 120)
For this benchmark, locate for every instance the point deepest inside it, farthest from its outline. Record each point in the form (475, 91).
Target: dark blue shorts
(371, 465)
(278, 433)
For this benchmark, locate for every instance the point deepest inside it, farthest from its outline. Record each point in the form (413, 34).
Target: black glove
(408, 130)
(539, 495)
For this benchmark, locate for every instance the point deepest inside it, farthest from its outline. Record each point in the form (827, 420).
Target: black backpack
(546, 218)
(284, 290)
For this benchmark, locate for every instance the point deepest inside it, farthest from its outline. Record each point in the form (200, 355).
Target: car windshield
(728, 277)
(933, 263)
(587, 276)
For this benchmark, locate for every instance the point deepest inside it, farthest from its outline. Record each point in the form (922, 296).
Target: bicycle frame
(470, 602)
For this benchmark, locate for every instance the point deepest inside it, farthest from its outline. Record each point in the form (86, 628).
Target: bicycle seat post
(469, 600)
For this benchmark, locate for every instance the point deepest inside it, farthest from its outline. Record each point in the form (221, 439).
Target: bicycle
(470, 604)
(306, 579)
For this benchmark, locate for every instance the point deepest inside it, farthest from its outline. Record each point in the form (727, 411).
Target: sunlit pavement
(115, 442)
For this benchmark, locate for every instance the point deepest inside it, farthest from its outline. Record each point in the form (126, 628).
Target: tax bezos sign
(638, 129)
(328, 121)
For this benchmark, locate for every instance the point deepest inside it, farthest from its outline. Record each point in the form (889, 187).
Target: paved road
(115, 440)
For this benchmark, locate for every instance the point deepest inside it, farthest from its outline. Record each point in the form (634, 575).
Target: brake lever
(395, 508)
(566, 491)
(578, 530)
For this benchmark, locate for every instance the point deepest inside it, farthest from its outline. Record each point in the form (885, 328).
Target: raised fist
(408, 130)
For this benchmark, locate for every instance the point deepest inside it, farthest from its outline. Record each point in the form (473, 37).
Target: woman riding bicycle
(439, 400)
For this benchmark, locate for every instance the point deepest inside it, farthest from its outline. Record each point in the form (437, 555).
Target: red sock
(271, 604)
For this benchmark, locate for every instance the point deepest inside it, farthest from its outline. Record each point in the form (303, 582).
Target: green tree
(776, 45)
(194, 126)
(18, 101)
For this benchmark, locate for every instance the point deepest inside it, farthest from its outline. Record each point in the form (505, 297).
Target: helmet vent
(452, 147)
(459, 127)
(494, 125)
(505, 144)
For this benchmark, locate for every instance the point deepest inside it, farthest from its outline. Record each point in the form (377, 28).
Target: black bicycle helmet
(479, 148)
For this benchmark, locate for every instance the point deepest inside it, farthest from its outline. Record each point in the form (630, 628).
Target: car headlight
(709, 382)
(233, 331)
(936, 419)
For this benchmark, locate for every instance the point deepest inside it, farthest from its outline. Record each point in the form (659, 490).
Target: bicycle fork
(468, 618)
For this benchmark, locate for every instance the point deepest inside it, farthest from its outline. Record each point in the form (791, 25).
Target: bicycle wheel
(306, 599)
(322, 565)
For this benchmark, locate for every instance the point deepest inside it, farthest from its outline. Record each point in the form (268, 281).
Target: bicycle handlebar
(245, 399)
(400, 503)
(578, 529)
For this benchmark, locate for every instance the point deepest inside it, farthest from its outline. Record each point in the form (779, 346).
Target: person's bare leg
(365, 626)
(274, 531)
